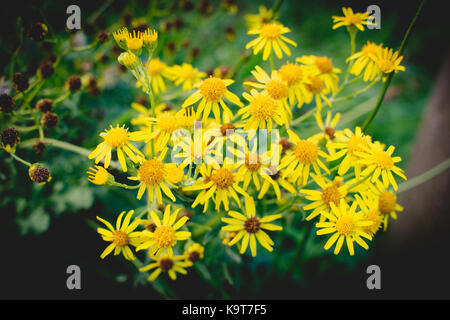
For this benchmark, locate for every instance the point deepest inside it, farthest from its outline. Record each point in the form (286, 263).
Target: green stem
(299, 249)
(58, 144)
(20, 160)
(356, 93)
(424, 177)
(276, 6)
(389, 78)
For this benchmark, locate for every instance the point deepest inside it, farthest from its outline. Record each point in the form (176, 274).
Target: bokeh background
(45, 229)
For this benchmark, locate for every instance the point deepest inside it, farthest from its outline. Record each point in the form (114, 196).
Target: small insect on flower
(270, 36)
(165, 235)
(166, 263)
(298, 162)
(212, 92)
(250, 228)
(120, 237)
(351, 19)
(118, 138)
(345, 224)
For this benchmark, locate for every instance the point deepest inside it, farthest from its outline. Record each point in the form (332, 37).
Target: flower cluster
(209, 150)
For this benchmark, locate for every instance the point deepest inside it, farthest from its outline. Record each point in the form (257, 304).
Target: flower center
(270, 31)
(164, 237)
(355, 143)
(168, 123)
(252, 162)
(383, 160)
(213, 89)
(155, 67)
(252, 225)
(120, 238)
(345, 225)
(306, 151)
(223, 178)
(263, 107)
(152, 172)
(166, 264)
(386, 66)
(353, 19)
(277, 89)
(194, 256)
(374, 216)
(324, 64)
(315, 85)
(330, 195)
(387, 202)
(369, 48)
(291, 73)
(116, 137)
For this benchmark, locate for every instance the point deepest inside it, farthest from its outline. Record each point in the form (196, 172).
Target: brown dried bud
(49, 120)
(39, 174)
(46, 68)
(10, 137)
(39, 147)
(7, 102)
(74, 83)
(20, 82)
(36, 31)
(44, 105)
(103, 36)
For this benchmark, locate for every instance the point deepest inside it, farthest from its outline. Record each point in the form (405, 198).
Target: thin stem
(424, 177)
(20, 160)
(299, 249)
(389, 78)
(356, 93)
(58, 144)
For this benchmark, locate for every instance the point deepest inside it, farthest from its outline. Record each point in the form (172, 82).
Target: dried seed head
(74, 83)
(20, 82)
(10, 137)
(46, 68)
(44, 105)
(49, 120)
(7, 102)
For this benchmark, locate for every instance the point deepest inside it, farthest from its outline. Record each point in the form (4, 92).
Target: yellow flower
(256, 21)
(350, 19)
(121, 237)
(128, 59)
(118, 138)
(166, 263)
(350, 144)
(250, 228)
(273, 86)
(387, 60)
(324, 69)
(369, 206)
(314, 86)
(219, 184)
(328, 127)
(175, 173)
(134, 40)
(364, 60)
(212, 91)
(99, 176)
(156, 70)
(345, 224)
(299, 160)
(388, 206)
(262, 111)
(165, 236)
(380, 162)
(120, 36)
(270, 36)
(195, 253)
(275, 180)
(186, 75)
(331, 192)
(293, 74)
(153, 176)
(149, 37)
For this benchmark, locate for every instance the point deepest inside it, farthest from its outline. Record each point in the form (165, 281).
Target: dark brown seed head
(10, 136)
(103, 36)
(7, 102)
(252, 225)
(20, 82)
(39, 147)
(44, 105)
(50, 119)
(74, 83)
(165, 264)
(40, 174)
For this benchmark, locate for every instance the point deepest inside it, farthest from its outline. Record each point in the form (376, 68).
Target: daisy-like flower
(349, 145)
(364, 60)
(388, 60)
(256, 21)
(315, 89)
(270, 37)
(120, 237)
(99, 176)
(250, 228)
(292, 74)
(275, 180)
(262, 111)
(153, 175)
(118, 138)
(351, 19)
(144, 113)
(381, 163)
(298, 162)
(194, 253)
(166, 263)
(156, 71)
(274, 86)
(212, 91)
(221, 183)
(345, 224)
(120, 37)
(186, 75)
(323, 67)
(331, 192)
(134, 41)
(165, 235)
(369, 206)
(388, 207)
